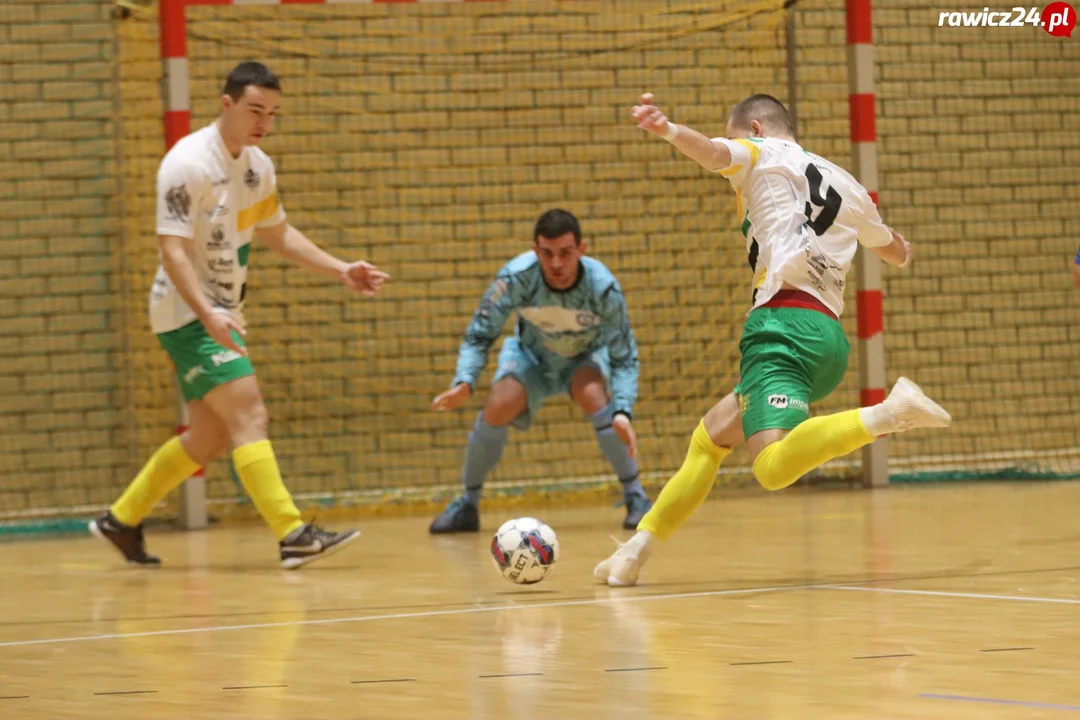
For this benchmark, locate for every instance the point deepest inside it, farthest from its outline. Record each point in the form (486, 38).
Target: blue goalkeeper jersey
(556, 327)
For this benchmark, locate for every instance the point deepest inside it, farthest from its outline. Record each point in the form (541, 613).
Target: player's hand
(648, 116)
(907, 251)
(622, 427)
(364, 278)
(452, 399)
(219, 326)
(899, 239)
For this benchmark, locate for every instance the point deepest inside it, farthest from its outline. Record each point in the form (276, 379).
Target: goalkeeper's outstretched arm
(498, 304)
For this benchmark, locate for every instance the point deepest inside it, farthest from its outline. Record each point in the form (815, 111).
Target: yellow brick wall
(428, 138)
(439, 176)
(63, 429)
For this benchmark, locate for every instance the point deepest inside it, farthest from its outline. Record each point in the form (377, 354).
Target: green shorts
(201, 364)
(791, 357)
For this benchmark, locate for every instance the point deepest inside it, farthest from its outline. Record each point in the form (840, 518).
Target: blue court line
(995, 701)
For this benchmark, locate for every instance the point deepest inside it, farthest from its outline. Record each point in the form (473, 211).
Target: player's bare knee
(247, 423)
(204, 447)
(589, 390)
(500, 415)
(257, 419)
(592, 399)
(507, 400)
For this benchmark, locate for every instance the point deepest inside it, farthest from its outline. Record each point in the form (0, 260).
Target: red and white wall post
(860, 53)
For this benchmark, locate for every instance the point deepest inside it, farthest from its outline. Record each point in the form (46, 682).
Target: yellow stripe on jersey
(755, 150)
(728, 172)
(249, 217)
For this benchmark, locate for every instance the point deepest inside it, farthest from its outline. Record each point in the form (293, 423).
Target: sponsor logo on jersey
(217, 239)
(178, 203)
(220, 264)
(553, 318)
(587, 319)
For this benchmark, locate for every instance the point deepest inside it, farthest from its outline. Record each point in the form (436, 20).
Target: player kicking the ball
(802, 217)
(573, 335)
(215, 190)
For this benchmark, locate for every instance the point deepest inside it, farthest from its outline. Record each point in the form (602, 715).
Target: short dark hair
(250, 73)
(765, 109)
(556, 223)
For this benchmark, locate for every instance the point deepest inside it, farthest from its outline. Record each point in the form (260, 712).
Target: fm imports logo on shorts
(1057, 18)
(782, 402)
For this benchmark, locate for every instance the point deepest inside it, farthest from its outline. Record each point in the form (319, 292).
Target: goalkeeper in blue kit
(573, 336)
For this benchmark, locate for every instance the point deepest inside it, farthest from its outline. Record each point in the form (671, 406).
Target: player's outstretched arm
(487, 323)
(294, 246)
(618, 336)
(709, 155)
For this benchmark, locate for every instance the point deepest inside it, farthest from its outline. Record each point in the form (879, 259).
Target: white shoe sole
(299, 562)
(613, 581)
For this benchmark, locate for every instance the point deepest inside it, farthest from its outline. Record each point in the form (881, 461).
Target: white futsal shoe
(624, 566)
(908, 408)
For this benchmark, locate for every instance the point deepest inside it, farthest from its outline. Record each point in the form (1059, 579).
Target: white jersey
(215, 202)
(802, 217)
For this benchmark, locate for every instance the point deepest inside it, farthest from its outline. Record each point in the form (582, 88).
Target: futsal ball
(524, 550)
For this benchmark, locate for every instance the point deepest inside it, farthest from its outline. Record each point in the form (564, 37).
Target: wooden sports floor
(929, 603)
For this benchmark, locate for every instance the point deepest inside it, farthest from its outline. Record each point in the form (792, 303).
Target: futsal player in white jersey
(803, 218)
(216, 192)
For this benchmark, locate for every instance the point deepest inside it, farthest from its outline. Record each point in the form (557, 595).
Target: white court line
(426, 614)
(973, 596)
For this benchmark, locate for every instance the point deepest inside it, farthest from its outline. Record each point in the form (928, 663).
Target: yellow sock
(811, 444)
(688, 488)
(167, 467)
(258, 470)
